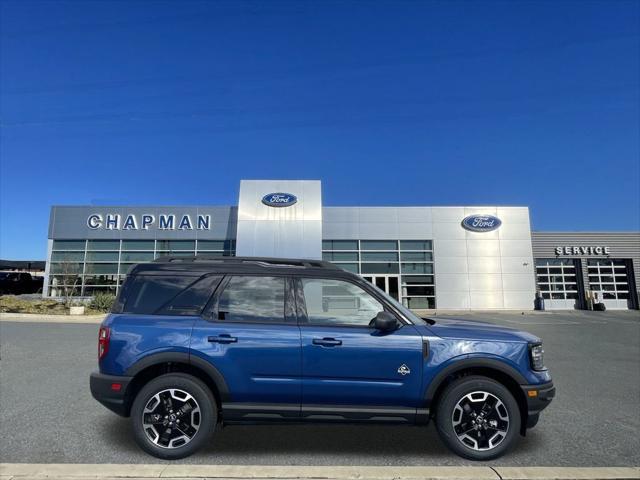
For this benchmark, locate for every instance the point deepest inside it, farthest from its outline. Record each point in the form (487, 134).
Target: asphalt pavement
(47, 413)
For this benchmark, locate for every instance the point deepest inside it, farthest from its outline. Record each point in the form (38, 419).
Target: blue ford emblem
(279, 199)
(481, 223)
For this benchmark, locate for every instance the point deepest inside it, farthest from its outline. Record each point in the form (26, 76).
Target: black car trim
(546, 393)
(100, 385)
(185, 358)
(240, 412)
(466, 363)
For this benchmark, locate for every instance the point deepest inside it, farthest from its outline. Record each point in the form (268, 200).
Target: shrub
(102, 302)
(13, 304)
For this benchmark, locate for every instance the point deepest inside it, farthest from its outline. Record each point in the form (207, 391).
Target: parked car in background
(19, 283)
(192, 343)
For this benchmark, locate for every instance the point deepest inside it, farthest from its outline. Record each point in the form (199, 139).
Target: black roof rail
(264, 261)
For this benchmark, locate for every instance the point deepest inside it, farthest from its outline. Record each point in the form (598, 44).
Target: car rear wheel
(173, 416)
(478, 418)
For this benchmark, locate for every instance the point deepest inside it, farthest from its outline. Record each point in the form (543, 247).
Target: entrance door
(386, 283)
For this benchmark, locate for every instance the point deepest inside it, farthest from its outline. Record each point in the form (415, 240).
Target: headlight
(536, 353)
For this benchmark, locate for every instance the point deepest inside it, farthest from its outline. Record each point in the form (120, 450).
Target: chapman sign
(584, 250)
(145, 222)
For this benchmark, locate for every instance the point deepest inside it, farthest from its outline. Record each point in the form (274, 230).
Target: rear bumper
(538, 398)
(102, 389)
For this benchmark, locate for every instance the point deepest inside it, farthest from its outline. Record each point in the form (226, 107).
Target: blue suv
(192, 343)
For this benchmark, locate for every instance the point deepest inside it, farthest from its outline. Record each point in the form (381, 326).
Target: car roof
(200, 265)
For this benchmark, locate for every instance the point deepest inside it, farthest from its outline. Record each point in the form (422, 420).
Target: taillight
(103, 342)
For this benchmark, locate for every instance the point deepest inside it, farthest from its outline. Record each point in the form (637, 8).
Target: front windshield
(404, 310)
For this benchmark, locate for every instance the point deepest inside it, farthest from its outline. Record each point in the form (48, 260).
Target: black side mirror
(385, 322)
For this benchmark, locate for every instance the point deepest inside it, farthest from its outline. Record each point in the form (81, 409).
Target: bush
(102, 302)
(13, 304)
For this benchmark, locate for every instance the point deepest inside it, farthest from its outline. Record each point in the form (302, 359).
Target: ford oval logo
(481, 223)
(279, 199)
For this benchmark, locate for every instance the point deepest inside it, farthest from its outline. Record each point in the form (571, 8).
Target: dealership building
(445, 258)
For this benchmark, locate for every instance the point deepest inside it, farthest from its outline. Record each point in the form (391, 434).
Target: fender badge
(404, 370)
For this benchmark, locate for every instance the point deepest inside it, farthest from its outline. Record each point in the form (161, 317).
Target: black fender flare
(467, 363)
(181, 357)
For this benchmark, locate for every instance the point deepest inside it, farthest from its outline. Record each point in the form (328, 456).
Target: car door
(251, 337)
(349, 369)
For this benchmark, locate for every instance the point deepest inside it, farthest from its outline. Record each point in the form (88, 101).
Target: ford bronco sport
(192, 343)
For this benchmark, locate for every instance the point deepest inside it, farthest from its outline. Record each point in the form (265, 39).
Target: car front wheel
(478, 418)
(173, 416)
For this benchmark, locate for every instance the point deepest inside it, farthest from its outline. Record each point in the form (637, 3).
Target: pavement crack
(496, 472)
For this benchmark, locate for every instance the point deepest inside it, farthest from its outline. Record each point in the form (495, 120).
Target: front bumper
(538, 398)
(102, 389)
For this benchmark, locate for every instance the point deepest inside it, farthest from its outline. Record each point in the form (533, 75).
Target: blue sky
(388, 103)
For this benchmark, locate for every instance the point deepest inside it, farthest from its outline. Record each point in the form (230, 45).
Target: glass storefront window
(101, 268)
(216, 245)
(378, 245)
(103, 245)
(176, 245)
(100, 279)
(379, 268)
(417, 280)
(174, 254)
(340, 245)
(416, 245)
(102, 256)
(66, 268)
(138, 245)
(419, 303)
(379, 257)
(67, 256)
(136, 256)
(90, 291)
(380, 263)
(417, 268)
(349, 267)
(417, 256)
(419, 291)
(68, 245)
(340, 256)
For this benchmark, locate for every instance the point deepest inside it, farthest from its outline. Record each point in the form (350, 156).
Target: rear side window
(252, 299)
(174, 295)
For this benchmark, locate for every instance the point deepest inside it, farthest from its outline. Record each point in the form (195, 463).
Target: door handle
(223, 338)
(327, 342)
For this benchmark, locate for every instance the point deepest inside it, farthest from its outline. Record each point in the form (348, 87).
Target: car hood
(459, 328)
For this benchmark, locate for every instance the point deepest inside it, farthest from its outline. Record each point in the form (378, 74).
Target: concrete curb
(39, 318)
(24, 471)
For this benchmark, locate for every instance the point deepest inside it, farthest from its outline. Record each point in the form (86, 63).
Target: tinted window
(145, 294)
(336, 302)
(192, 300)
(252, 299)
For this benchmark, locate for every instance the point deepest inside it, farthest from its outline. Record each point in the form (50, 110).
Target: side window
(192, 300)
(144, 294)
(252, 299)
(336, 302)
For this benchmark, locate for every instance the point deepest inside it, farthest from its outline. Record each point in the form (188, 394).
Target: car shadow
(329, 440)
(281, 444)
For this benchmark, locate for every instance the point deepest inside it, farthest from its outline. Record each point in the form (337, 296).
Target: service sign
(279, 199)
(481, 223)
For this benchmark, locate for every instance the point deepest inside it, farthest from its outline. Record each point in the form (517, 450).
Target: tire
(193, 416)
(469, 432)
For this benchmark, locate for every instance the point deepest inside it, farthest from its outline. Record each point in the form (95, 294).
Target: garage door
(610, 279)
